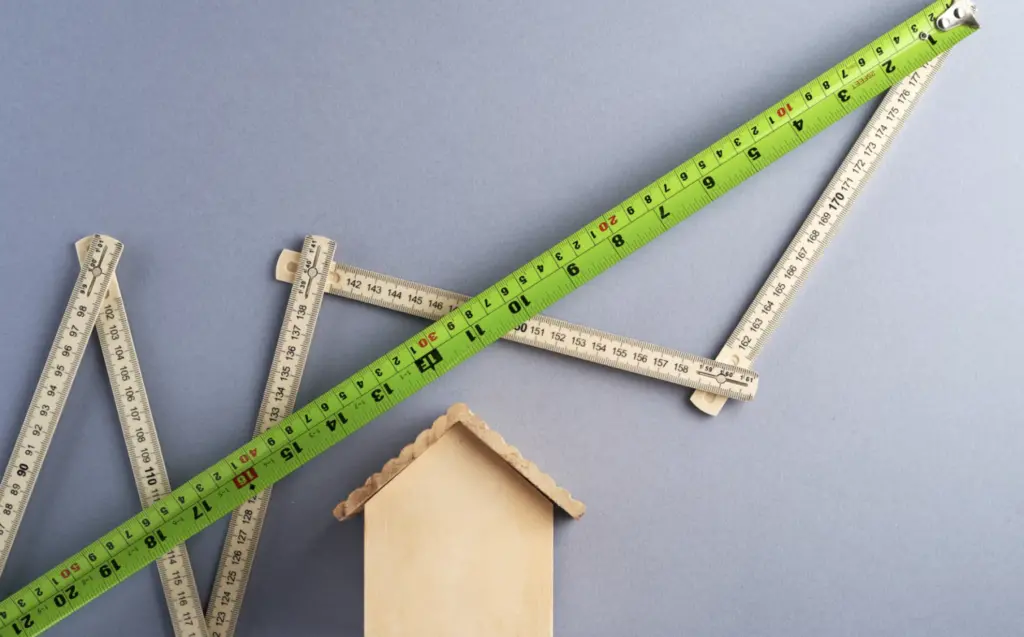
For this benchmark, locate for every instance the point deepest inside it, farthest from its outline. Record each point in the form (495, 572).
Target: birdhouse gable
(471, 429)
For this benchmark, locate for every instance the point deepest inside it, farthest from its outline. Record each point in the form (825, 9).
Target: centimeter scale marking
(429, 354)
(553, 335)
(293, 345)
(144, 453)
(821, 225)
(52, 390)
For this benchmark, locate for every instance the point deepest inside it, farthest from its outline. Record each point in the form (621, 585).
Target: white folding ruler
(554, 335)
(50, 396)
(146, 458)
(822, 224)
(293, 343)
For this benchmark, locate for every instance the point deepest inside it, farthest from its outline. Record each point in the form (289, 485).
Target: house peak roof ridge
(459, 414)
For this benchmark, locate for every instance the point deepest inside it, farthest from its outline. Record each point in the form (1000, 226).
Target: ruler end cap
(287, 266)
(710, 404)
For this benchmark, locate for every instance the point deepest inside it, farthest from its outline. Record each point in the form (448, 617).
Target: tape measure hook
(962, 12)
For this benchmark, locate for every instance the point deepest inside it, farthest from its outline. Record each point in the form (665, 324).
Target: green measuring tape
(483, 319)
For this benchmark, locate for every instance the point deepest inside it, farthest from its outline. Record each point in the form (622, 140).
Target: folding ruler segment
(822, 224)
(147, 461)
(293, 344)
(553, 335)
(54, 385)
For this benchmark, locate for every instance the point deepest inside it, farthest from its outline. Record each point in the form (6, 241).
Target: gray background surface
(851, 498)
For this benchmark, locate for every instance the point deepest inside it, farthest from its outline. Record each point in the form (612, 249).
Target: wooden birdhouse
(459, 536)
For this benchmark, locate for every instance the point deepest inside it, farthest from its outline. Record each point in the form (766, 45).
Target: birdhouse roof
(459, 414)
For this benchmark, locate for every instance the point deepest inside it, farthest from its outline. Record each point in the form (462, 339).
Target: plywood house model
(459, 536)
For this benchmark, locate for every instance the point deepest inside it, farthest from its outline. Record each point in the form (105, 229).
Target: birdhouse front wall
(459, 545)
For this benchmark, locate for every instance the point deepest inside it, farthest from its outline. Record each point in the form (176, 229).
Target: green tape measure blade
(477, 323)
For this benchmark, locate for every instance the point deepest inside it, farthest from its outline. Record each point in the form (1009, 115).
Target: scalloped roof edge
(459, 414)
